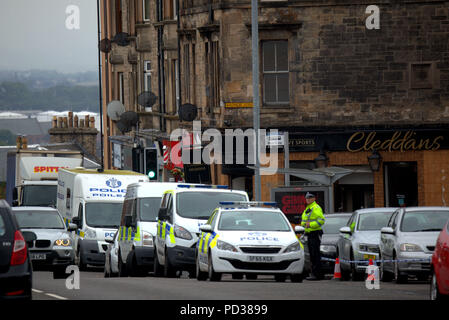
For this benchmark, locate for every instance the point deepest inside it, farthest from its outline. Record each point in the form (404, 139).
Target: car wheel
(398, 277)
(121, 266)
(384, 275)
(297, 277)
(280, 277)
(169, 271)
(79, 260)
(434, 291)
(200, 275)
(213, 276)
(355, 276)
(345, 274)
(157, 267)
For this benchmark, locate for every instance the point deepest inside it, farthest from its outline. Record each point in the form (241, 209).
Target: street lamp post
(256, 120)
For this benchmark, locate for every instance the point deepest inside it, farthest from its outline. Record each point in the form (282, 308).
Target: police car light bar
(248, 203)
(204, 186)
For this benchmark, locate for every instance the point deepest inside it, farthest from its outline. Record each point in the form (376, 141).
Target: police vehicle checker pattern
(247, 238)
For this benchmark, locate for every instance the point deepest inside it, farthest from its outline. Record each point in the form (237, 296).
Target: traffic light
(151, 165)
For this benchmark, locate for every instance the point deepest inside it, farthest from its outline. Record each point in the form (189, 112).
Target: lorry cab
(183, 210)
(138, 225)
(93, 201)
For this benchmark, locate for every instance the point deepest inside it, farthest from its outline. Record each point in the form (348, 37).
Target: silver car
(359, 240)
(53, 248)
(410, 234)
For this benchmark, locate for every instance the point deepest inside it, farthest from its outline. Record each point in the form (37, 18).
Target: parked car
(111, 258)
(439, 286)
(328, 248)
(15, 263)
(411, 233)
(53, 248)
(359, 240)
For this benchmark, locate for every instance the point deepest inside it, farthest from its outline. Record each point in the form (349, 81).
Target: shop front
(407, 167)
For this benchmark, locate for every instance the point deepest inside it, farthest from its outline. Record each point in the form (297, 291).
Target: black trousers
(313, 243)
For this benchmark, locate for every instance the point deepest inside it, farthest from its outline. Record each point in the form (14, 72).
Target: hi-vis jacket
(313, 214)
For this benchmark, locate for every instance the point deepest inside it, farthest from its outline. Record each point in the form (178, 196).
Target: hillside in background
(48, 90)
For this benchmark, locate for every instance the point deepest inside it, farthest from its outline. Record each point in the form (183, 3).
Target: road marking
(56, 296)
(50, 294)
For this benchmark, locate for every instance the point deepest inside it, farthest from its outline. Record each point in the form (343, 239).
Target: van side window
(394, 219)
(164, 200)
(170, 208)
(68, 198)
(80, 214)
(134, 211)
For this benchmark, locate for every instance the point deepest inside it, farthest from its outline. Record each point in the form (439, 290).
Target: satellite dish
(122, 127)
(105, 45)
(188, 112)
(121, 38)
(115, 109)
(127, 120)
(146, 99)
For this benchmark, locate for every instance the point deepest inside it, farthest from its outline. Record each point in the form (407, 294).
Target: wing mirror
(345, 230)
(299, 229)
(387, 230)
(29, 237)
(206, 228)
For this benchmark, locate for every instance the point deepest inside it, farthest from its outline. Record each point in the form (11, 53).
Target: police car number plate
(38, 256)
(260, 259)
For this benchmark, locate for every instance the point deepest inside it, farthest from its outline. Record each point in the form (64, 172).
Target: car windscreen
(253, 221)
(39, 219)
(332, 225)
(200, 205)
(424, 221)
(373, 221)
(44, 195)
(149, 208)
(103, 214)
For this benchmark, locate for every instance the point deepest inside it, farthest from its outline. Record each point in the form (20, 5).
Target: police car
(249, 238)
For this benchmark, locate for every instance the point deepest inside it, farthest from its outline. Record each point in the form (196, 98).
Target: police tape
(375, 261)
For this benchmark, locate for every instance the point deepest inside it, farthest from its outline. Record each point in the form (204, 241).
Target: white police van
(246, 238)
(93, 201)
(138, 226)
(183, 210)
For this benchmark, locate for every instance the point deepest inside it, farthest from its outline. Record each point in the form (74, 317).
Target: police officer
(312, 221)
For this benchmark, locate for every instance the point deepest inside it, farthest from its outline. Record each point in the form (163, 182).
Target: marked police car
(246, 238)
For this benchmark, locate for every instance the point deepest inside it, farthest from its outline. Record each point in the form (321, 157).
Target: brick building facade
(321, 70)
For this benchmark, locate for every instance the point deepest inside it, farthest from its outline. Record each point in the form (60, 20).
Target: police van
(249, 238)
(93, 201)
(183, 210)
(138, 226)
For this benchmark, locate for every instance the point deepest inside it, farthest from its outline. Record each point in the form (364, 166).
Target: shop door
(401, 184)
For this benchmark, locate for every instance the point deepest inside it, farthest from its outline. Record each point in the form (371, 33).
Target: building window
(169, 8)
(118, 16)
(212, 75)
(275, 72)
(147, 75)
(186, 78)
(146, 10)
(121, 87)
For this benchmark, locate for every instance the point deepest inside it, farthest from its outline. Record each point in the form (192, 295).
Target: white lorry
(93, 201)
(32, 175)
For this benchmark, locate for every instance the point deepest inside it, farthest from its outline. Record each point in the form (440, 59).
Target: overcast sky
(34, 36)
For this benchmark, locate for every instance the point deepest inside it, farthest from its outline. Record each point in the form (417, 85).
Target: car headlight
(90, 234)
(63, 242)
(147, 239)
(410, 247)
(221, 245)
(294, 247)
(368, 248)
(328, 248)
(182, 233)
